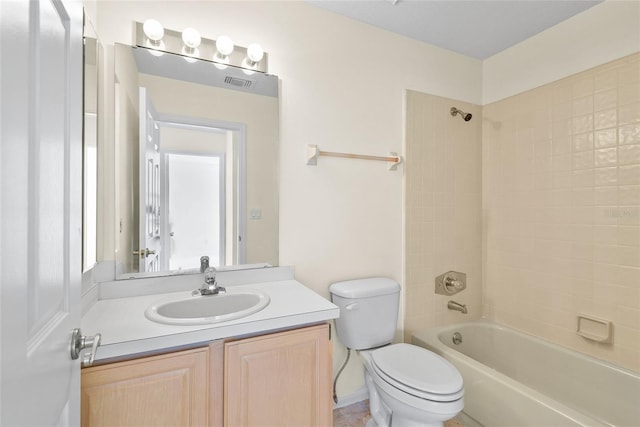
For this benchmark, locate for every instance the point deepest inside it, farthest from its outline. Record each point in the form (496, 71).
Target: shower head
(465, 116)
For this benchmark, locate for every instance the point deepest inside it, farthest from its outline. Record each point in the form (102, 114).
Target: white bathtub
(513, 379)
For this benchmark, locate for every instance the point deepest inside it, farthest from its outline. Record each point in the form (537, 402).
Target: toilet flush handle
(352, 307)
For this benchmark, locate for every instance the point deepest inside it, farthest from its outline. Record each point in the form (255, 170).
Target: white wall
(603, 33)
(336, 99)
(342, 86)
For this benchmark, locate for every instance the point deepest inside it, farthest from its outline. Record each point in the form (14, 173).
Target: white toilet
(408, 385)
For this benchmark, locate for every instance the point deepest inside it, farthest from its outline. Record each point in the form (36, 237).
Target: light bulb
(224, 46)
(255, 53)
(191, 38)
(153, 30)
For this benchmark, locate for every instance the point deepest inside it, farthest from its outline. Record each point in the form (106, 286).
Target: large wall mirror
(196, 155)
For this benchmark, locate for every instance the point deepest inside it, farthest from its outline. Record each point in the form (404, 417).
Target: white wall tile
(629, 154)
(629, 174)
(444, 232)
(605, 118)
(583, 251)
(629, 134)
(606, 157)
(629, 93)
(605, 100)
(629, 114)
(582, 142)
(605, 138)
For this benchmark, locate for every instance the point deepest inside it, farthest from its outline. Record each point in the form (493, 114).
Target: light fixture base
(172, 43)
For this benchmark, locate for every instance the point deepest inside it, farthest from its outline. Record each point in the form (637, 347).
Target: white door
(149, 251)
(195, 208)
(40, 210)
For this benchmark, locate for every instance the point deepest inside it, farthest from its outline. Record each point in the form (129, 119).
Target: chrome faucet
(204, 263)
(452, 305)
(210, 286)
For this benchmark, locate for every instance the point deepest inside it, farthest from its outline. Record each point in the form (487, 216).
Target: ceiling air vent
(238, 82)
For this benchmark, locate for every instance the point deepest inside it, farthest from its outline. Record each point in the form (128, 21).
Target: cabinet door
(281, 379)
(170, 389)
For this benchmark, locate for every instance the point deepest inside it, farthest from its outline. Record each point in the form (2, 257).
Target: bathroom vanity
(273, 367)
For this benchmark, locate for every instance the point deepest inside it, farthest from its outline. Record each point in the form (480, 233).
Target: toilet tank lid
(362, 288)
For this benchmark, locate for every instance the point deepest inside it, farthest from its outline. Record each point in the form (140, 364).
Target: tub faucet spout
(452, 305)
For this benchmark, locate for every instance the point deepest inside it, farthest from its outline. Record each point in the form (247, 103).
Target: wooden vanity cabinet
(171, 389)
(281, 379)
(277, 379)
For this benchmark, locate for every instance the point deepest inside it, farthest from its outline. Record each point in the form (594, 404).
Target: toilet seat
(418, 372)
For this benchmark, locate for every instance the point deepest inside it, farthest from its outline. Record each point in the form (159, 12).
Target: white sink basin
(202, 310)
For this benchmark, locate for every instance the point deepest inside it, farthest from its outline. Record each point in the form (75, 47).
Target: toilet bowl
(408, 386)
(413, 386)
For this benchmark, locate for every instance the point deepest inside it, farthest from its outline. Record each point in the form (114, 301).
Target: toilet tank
(368, 311)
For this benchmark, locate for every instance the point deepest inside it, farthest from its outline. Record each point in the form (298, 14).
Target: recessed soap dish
(595, 329)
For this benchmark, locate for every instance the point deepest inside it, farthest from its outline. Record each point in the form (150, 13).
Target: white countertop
(126, 331)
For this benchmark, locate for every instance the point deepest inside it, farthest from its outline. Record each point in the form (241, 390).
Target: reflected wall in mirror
(92, 59)
(196, 166)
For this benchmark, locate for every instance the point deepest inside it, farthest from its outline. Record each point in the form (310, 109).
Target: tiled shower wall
(443, 186)
(561, 209)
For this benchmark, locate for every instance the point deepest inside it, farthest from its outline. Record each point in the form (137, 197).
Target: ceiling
(476, 28)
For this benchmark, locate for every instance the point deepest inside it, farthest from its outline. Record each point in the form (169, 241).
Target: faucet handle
(210, 275)
(450, 283)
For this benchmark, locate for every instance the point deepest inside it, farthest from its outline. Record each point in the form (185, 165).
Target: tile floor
(357, 415)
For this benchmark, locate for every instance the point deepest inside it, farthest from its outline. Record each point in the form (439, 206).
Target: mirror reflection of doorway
(155, 136)
(196, 209)
(198, 196)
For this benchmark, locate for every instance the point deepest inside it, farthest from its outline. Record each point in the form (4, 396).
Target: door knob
(79, 342)
(144, 252)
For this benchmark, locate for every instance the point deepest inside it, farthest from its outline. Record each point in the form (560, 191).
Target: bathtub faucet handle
(450, 283)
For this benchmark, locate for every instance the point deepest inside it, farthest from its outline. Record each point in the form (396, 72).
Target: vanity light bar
(172, 42)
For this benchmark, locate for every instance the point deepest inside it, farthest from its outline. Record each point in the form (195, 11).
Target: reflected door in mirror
(150, 238)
